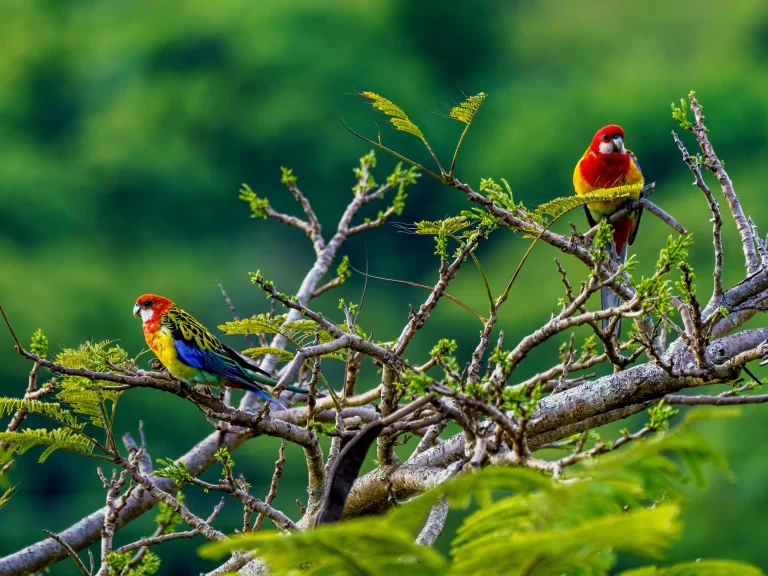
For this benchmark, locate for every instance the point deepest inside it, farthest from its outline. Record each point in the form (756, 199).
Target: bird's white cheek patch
(606, 147)
(146, 315)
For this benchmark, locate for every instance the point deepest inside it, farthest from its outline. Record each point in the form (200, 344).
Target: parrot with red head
(607, 164)
(190, 352)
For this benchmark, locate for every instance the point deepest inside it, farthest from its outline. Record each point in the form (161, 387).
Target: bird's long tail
(264, 395)
(618, 253)
(266, 380)
(243, 384)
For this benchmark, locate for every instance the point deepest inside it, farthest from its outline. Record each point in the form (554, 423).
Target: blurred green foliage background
(126, 129)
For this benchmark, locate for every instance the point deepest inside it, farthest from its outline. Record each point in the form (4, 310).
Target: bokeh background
(126, 129)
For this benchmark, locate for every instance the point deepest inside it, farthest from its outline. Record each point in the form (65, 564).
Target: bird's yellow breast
(161, 343)
(582, 188)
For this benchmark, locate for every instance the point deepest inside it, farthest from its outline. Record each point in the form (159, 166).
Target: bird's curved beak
(618, 144)
(136, 310)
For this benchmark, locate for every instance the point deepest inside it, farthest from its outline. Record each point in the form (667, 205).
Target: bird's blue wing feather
(635, 162)
(188, 353)
(217, 362)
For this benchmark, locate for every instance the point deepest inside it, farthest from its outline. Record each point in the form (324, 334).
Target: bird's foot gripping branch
(556, 495)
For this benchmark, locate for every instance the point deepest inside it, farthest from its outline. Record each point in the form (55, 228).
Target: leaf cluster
(257, 204)
(655, 291)
(526, 523)
(119, 564)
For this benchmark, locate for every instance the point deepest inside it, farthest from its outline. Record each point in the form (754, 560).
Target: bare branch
(157, 539)
(72, 554)
(435, 523)
(315, 230)
(235, 315)
(712, 163)
(715, 400)
(633, 205)
(717, 221)
(273, 485)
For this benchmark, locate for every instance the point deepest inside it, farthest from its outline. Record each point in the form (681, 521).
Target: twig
(158, 539)
(668, 219)
(232, 309)
(114, 505)
(432, 435)
(8, 323)
(717, 221)
(713, 163)
(715, 400)
(273, 485)
(229, 487)
(315, 230)
(72, 554)
(194, 521)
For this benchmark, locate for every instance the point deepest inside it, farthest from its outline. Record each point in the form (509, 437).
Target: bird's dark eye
(147, 303)
(606, 137)
(617, 135)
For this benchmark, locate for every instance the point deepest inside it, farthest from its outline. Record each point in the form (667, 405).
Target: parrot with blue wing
(190, 352)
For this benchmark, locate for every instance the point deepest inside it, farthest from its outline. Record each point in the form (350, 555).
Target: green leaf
(342, 270)
(681, 115)
(660, 415)
(448, 226)
(299, 332)
(6, 497)
(527, 523)
(260, 324)
(466, 111)
(700, 568)
(56, 439)
(258, 205)
(51, 410)
(357, 547)
(176, 471)
(399, 119)
(646, 532)
(39, 344)
(95, 356)
(287, 176)
(282, 355)
(560, 206)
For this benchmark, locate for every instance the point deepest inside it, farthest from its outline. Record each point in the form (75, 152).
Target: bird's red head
(608, 140)
(150, 307)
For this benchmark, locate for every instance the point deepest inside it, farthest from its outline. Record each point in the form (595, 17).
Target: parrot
(190, 352)
(607, 163)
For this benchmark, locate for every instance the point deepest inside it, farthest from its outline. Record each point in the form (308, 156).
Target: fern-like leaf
(544, 527)
(260, 324)
(89, 403)
(646, 532)
(699, 568)
(6, 497)
(466, 111)
(398, 118)
(57, 439)
(51, 410)
(96, 356)
(448, 226)
(282, 355)
(300, 332)
(559, 206)
(367, 546)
